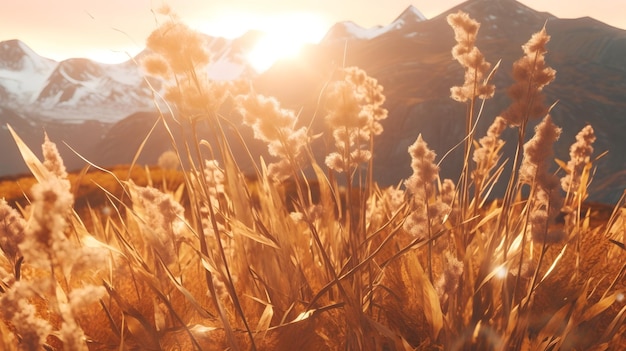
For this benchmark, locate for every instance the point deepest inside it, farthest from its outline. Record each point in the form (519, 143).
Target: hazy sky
(104, 30)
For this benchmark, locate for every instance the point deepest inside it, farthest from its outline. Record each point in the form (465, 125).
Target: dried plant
(470, 57)
(578, 168)
(476, 85)
(289, 259)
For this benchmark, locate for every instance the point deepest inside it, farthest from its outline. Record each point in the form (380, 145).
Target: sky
(109, 31)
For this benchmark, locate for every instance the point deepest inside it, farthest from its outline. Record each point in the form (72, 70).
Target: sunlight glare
(272, 47)
(285, 36)
(284, 33)
(104, 56)
(501, 272)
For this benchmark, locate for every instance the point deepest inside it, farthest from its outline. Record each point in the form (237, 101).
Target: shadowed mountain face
(411, 58)
(416, 68)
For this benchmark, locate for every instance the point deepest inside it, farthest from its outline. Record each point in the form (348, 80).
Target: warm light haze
(273, 47)
(113, 31)
(342, 175)
(284, 33)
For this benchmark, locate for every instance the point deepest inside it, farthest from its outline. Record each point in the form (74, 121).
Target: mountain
(78, 89)
(415, 66)
(77, 101)
(22, 71)
(73, 90)
(411, 57)
(76, 86)
(349, 30)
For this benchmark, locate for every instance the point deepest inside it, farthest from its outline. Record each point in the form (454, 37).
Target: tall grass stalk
(300, 254)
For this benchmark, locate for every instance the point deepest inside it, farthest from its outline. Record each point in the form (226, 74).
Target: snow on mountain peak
(69, 89)
(410, 15)
(15, 55)
(22, 71)
(351, 30)
(79, 89)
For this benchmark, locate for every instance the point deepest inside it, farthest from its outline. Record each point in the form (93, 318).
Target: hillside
(410, 57)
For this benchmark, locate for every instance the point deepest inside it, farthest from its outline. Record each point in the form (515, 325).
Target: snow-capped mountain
(22, 71)
(76, 86)
(71, 90)
(77, 89)
(349, 30)
(411, 58)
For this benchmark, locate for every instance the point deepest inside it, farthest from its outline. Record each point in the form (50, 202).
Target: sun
(272, 47)
(284, 34)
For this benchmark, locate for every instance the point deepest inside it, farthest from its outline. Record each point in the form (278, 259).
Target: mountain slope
(411, 57)
(22, 71)
(349, 30)
(416, 68)
(77, 101)
(77, 90)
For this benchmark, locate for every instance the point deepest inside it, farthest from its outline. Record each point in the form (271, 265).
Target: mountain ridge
(416, 70)
(73, 89)
(415, 66)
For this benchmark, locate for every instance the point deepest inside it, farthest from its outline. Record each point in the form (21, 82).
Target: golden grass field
(194, 253)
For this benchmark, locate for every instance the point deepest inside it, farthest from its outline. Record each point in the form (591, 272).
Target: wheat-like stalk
(196, 254)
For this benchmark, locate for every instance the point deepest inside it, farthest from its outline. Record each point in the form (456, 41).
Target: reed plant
(312, 255)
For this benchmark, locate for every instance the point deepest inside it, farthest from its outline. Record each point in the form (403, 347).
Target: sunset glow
(272, 48)
(284, 34)
(310, 175)
(109, 31)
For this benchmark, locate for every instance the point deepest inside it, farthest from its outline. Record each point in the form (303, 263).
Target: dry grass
(309, 256)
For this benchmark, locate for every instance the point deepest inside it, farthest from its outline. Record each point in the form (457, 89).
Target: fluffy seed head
(580, 155)
(181, 47)
(472, 60)
(531, 75)
(12, 227)
(538, 151)
(425, 171)
(52, 159)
